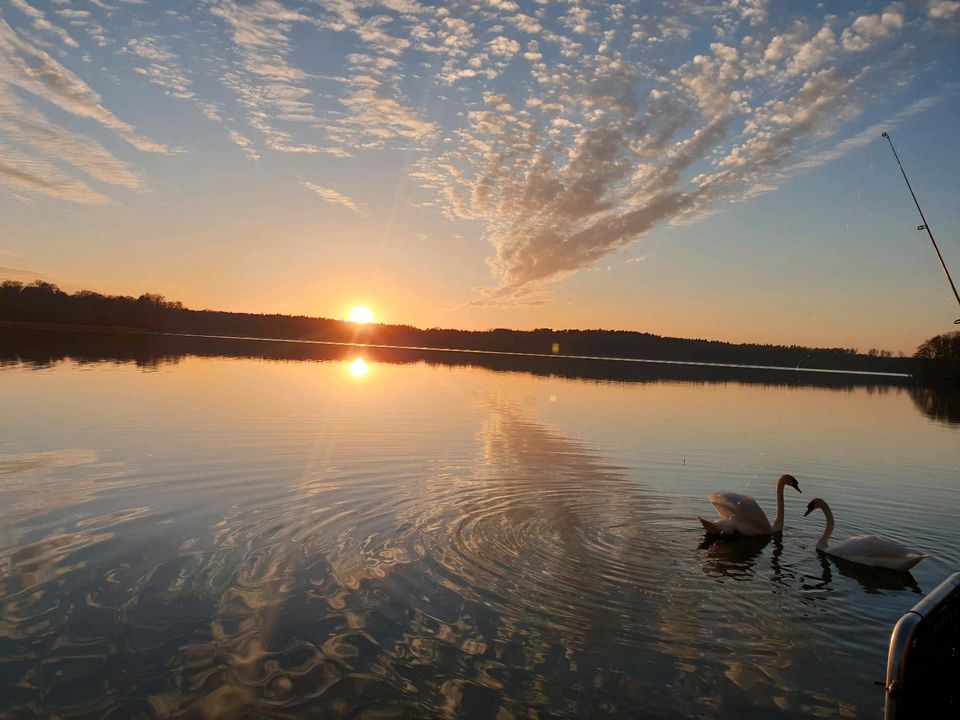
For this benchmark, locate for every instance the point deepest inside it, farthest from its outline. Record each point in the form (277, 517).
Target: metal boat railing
(923, 663)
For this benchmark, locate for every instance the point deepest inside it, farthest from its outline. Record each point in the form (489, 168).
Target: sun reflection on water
(358, 368)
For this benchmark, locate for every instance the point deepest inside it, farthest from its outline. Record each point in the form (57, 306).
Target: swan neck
(828, 531)
(778, 520)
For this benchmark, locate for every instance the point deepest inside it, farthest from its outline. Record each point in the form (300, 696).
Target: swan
(740, 514)
(864, 549)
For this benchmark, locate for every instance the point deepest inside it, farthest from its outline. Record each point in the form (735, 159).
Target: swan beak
(809, 510)
(798, 489)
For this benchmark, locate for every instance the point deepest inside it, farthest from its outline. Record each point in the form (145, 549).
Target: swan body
(869, 550)
(741, 515)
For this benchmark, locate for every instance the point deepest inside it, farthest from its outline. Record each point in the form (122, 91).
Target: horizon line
(378, 346)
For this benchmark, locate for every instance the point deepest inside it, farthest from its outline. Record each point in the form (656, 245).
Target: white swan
(740, 514)
(864, 549)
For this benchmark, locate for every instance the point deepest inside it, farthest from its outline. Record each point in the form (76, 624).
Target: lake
(348, 533)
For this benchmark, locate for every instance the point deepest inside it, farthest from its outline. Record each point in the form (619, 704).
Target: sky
(690, 169)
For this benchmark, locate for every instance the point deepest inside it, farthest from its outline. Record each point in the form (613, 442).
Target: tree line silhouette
(47, 345)
(43, 302)
(939, 361)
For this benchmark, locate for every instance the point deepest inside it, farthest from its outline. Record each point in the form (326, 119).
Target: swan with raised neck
(781, 484)
(828, 530)
(741, 515)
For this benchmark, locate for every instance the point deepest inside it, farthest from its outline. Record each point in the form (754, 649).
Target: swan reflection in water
(872, 580)
(737, 559)
(733, 558)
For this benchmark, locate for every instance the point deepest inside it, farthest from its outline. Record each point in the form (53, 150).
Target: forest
(43, 302)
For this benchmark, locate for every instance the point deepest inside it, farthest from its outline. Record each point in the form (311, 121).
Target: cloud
(40, 22)
(504, 46)
(150, 49)
(18, 275)
(868, 28)
(238, 139)
(332, 196)
(31, 128)
(35, 175)
(943, 9)
(266, 84)
(565, 131)
(378, 117)
(867, 136)
(35, 71)
(594, 149)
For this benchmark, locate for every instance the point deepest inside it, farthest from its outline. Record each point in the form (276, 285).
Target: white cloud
(40, 22)
(32, 69)
(240, 140)
(35, 175)
(943, 9)
(31, 128)
(811, 55)
(377, 118)
(504, 46)
(332, 196)
(868, 28)
(150, 49)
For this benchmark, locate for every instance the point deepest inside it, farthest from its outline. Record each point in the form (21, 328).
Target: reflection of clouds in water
(39, 482)
(38, 543)
(529, 577)
(475, 586)
(16, 464)
(547, 540)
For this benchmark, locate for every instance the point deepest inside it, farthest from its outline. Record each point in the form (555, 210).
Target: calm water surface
(226, 537)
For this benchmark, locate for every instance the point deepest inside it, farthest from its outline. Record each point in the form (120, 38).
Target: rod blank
(925, 225)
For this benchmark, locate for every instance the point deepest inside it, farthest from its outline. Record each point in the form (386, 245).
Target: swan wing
(720, 526)
(741, 511)
(875, 551)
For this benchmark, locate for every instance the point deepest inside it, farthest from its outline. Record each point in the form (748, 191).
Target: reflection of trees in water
(939, 404)
(43, 348)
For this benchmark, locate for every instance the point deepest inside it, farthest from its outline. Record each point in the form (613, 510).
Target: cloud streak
(32, 69)
(332, 196)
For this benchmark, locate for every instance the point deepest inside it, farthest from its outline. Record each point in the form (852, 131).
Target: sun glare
(361, 314)
(358, 368)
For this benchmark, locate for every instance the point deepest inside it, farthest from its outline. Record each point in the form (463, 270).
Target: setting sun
(361, 314)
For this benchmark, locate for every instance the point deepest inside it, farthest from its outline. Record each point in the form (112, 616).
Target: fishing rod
(926, 225)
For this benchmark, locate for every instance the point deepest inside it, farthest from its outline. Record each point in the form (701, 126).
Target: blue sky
(695, 169)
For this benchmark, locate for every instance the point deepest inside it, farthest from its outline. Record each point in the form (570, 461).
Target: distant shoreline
(546, 355)
(46, 305)
(78, 328)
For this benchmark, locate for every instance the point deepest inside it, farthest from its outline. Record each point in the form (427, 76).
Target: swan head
(791, 481)
(814, 504)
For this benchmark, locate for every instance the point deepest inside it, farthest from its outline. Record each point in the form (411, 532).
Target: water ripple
(518, 574)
